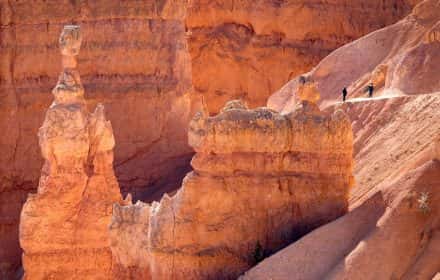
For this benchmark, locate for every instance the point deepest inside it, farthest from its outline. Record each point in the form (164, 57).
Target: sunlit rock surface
(134, 60)
(394, 233)
(248, 49)
(393, 227)
(260, 181)
(63, 227)
(401, 59)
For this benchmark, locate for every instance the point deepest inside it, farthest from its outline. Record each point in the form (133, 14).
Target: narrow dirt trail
(380, 97)
(362, 99)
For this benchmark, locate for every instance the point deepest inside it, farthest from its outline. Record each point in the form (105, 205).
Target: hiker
(370, 90)
(344, 94)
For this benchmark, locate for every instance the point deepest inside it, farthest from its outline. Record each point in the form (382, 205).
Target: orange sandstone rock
(394, 233)
(307, 91)
(63, 227)
(399, 59)
(391, 137)
(248, 49)
(393, 132)
(260, 181)
(134, 60)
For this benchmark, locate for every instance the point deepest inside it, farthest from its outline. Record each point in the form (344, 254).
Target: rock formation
(134, 60)
(248, 49)
(397, 169)
(393, 132)
(63, 227)
(394, 234)
(260, 181)
(401, 59)
(391, 137)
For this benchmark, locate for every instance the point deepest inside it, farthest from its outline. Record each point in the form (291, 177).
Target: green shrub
(258, 254)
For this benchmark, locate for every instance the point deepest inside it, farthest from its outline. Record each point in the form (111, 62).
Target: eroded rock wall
(248, 49)
(392, 229)
(134, 60)
(260, 181)
(394, 233)
(394, 130)
(63, 227)
(401, 59)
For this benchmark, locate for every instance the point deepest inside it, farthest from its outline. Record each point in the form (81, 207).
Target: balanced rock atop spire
(69, 88)
(63, 227)
(260, 181)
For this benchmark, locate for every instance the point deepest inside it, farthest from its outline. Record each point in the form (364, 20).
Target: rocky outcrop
(260, 181)
(401, 59)
(63, 227)
(394, 234)
(392, 230)
(248, 49)
(394, 131)
(134, 60)
(391, 137)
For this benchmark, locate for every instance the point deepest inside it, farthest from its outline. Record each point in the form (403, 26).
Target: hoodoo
(63, 227)
(150, 63)
(260, 181)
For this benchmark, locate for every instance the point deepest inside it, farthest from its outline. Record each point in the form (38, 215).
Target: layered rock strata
(394, 234)
(393, 229)
(63, 227)
(248, 49)
(260, 181)
(401, 59)
(391, 137)
(134, 60)
(394, 130)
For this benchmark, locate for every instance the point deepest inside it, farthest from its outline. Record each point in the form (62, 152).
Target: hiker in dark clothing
(344, 94)
(370, 90)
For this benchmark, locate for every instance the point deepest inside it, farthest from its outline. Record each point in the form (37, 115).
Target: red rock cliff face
(134, 60)
(395, 233)
(394, 129)
(249, 49)
(260, 181)
(393, 229)
(401, 59)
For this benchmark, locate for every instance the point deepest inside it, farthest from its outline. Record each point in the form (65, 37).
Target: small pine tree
(258, 254)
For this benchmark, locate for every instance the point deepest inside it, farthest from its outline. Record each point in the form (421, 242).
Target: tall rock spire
(63, 227)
